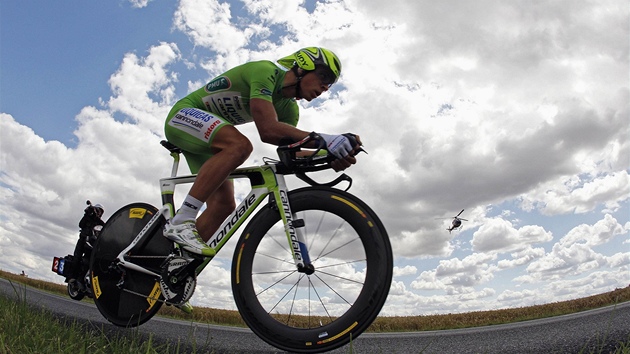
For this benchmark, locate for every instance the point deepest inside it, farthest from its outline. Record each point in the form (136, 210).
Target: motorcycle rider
(90, 225)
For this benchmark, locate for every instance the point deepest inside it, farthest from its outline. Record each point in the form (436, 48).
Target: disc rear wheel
(127, 297)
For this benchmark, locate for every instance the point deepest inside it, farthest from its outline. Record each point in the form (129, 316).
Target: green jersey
(228, 95)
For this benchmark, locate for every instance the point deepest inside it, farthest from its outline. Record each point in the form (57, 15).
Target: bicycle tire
(138, 298)
(348, 245)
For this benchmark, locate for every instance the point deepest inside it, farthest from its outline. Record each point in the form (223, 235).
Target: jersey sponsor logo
(265, 92)
(220, 83)
(229, 108)
(196, 113)
(185, 121)
(196, 128)
(237, 102)
(211, 128)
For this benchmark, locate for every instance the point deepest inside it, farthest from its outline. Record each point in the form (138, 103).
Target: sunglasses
(326, 77)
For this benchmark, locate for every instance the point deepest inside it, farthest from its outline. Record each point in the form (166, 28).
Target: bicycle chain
(150, 257)
(148, 297)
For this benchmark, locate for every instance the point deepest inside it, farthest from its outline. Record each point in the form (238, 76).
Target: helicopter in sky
(457, 222)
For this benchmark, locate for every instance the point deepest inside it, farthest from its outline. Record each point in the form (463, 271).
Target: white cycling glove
(338, 145)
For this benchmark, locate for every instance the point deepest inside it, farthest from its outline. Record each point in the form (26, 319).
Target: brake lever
(354, 142)
(360, 149)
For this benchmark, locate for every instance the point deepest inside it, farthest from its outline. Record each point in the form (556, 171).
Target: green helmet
(311, 57)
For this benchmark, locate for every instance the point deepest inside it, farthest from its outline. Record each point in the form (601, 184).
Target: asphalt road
(595, 331)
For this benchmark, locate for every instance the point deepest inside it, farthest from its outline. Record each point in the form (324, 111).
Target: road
(598, 331)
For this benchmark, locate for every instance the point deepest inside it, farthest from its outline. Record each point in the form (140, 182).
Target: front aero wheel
(309, 313)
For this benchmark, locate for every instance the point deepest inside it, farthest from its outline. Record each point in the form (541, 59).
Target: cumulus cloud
(500, 236)
(574, 254)
(406, 270)
(457, 276)
(576, 194)
(46, 184)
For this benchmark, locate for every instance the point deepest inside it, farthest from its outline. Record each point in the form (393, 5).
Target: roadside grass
(23, 329)
(493, 317)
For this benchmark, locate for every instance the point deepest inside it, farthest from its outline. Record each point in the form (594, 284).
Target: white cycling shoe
(186, 235)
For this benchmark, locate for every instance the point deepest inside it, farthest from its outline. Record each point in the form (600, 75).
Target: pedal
(181, 252)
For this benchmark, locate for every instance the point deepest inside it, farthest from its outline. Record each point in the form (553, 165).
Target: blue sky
(63, 55)
(533, 144)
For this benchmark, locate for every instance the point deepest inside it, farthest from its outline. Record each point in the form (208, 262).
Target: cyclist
(203, 123)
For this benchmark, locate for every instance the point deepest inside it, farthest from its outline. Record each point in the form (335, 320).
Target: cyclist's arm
(338, 164)
(271, 131)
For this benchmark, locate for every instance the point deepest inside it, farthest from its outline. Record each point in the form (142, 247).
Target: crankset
(177, 280)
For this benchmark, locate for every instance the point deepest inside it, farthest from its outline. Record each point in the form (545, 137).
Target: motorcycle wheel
(74, 291)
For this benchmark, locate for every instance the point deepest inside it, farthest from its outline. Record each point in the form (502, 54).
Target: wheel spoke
(336, 277)
(339, 273)
(337, 248)
(333, 290)
(275, 258)
(318, 297)
(277, 282)
(282, 245)
(342, 263)
(294, 309)
(330, 239)
(285, 295)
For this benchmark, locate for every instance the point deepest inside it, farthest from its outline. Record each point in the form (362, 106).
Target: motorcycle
(76, 267)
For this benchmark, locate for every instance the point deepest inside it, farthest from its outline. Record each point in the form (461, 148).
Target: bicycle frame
(264, 181)
(323, 304)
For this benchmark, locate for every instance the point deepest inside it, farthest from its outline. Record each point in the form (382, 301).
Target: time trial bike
(310, 271)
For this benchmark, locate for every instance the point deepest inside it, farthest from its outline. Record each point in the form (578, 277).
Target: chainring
(177, 289)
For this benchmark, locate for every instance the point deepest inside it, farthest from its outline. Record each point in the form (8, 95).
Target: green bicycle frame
(263, 180)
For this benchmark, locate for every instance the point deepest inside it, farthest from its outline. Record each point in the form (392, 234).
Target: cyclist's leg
(230, 149)
(206, 136)
(220, 204)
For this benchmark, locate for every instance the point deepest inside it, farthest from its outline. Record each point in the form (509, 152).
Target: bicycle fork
(293, 228)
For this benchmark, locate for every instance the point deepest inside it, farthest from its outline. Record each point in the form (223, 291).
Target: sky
(515, 111)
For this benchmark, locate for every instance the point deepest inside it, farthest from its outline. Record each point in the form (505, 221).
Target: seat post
(175, 156)
(175, 151)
